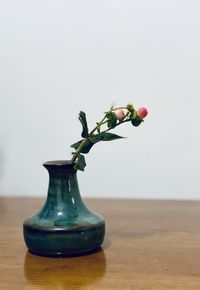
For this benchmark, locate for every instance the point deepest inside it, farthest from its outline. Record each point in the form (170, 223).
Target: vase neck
(63, 184)
(63, 199)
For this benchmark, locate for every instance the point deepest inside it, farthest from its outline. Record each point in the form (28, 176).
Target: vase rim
(58, 163)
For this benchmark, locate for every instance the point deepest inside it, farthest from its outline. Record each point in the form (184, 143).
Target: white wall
(58, 57)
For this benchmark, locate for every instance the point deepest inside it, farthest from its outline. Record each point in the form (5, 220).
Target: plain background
(60, 57)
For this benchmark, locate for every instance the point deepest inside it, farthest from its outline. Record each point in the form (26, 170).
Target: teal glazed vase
(64, 226)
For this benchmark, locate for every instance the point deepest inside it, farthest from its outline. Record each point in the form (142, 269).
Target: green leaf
(82, 119)
(88, 145)
(112, 119)
(95, 139)
(111, 136)
(136, 122)
(76, 145)
(104, 137)
(80, 164)
(86, 148)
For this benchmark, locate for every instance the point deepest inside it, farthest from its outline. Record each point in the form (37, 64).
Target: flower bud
(120, 114)
(142, 113)
(130, 107)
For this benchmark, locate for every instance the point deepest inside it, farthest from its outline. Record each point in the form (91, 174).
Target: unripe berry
(142, 113)
(130, 107)
(120, 114)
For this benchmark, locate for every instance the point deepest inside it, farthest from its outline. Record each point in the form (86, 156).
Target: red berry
(142, 113)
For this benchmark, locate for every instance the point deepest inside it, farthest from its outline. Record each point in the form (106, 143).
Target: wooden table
(149, 244)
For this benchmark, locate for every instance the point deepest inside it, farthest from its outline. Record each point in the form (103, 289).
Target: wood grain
(149, 244)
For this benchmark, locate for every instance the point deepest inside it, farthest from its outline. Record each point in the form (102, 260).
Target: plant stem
(119, 108)
(127, 120)
(102, 122)
(78, 150)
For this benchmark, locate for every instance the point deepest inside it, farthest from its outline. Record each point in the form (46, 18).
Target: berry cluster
(112, 118)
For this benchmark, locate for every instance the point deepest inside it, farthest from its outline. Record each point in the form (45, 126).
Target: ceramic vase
(64, 226)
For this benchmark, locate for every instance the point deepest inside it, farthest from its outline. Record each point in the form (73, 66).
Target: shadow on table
(65, 273)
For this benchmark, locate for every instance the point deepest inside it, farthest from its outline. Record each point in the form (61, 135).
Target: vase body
(64, 226)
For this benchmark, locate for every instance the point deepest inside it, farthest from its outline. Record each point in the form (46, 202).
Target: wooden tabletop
(149, 244)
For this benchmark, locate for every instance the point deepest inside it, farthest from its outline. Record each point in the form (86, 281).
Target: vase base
(65, 242)
(67, 254)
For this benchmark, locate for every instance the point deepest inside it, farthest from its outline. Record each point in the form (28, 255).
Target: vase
(64, 226)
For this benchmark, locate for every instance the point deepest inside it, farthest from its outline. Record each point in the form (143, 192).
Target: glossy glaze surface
(64, 226)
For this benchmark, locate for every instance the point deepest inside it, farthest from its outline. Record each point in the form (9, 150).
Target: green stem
(78, 150)
(127, 120)
(119, 108)
(102, 122)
